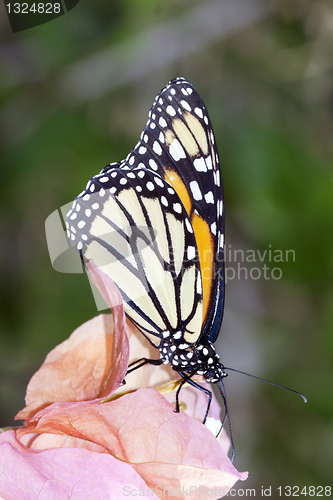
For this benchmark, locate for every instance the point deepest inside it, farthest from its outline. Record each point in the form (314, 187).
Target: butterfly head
(210, 365)
(200, 359)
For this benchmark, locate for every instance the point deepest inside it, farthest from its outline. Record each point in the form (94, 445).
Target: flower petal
(91, 363)
(66, 473)
(143, 429)
(120, 353)
(187, 481)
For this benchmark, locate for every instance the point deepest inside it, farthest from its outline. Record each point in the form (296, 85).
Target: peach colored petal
(182, 481)
(67, 474)
(114, 300)
(194, 402)
(46, 441)
(88, 365)
(143, 429)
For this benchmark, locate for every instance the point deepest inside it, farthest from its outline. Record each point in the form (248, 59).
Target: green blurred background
(74, 96)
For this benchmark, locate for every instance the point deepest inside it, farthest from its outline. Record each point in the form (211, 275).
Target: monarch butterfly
(154, 223)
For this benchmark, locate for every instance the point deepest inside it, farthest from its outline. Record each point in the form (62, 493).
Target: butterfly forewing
(154, 223)
(178, 142)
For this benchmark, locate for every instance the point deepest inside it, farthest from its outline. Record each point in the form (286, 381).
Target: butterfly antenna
(268, 382)
(224, 397)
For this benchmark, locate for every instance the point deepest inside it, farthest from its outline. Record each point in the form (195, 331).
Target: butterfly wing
(134, 226)
(159, 216)
(179, 144)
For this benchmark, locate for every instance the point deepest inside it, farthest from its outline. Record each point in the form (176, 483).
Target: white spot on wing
(171, 110)
(200, 164)
(176, 150)
(195, 190)
(186, 105)
(188, 226)
(209, 197)
(153, 164)
(177, 207)
(221, 207)
(190, 252)
(162, 122)
(157, 148)
(158, 181)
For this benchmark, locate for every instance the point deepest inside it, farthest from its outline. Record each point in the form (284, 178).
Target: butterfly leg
(142, 362)
(187, 378)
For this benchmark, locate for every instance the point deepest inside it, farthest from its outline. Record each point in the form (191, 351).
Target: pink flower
(86, 435)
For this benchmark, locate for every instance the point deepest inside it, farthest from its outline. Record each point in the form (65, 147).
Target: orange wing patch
(205, 245)
(177, 183)
(203, 236)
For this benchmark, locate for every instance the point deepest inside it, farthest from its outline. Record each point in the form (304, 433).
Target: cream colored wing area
(133, 286)
(101, 228)
(198, 131)
(143, 324)
(112, 212)
(187, 139)
(162, 284)
(132, 205)
(133, 239)
(177, 240)
(187, 299)
(157, 222)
